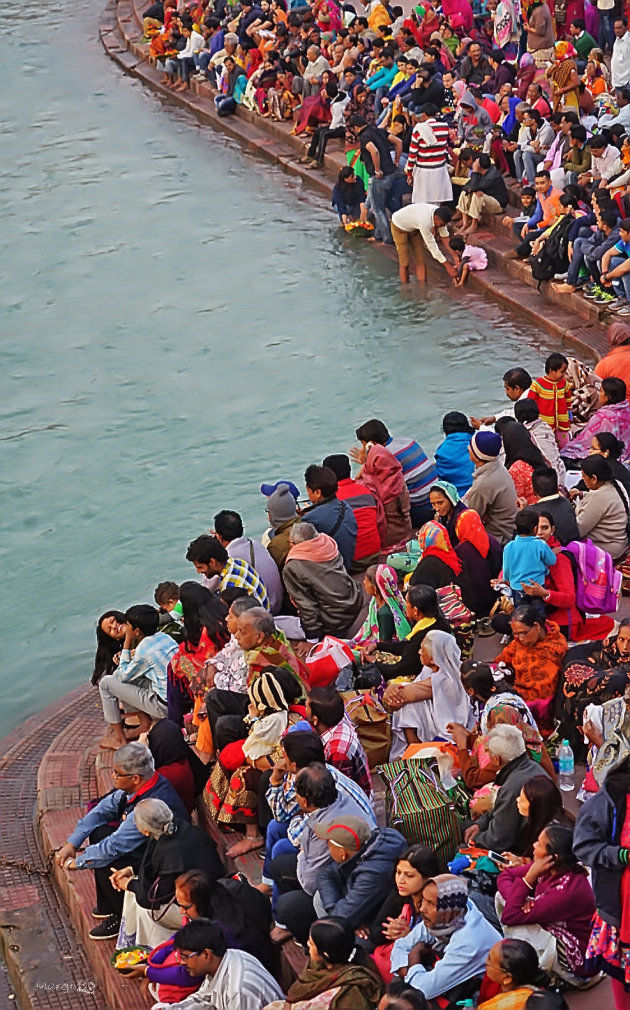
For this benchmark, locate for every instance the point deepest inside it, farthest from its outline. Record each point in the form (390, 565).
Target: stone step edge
(58, 809)
(592, 341)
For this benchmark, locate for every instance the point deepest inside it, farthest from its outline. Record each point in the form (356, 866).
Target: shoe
(560, 277)
(107, 929)
(605, 298)
(592, 291)
(624, 310)
(97, 914)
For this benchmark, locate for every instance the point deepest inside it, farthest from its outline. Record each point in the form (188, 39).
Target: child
(553, 397)
(527, 560)
(470, 257)
(528, 205)
(166, 596)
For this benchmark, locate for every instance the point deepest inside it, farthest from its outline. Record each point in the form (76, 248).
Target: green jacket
(584, 43)
(578, 159)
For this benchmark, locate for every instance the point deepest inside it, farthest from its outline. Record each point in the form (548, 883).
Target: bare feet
(247, 844)
(263, 888)
(279, 935)
(113, 737)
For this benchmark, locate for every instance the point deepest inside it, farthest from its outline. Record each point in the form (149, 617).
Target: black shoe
(97, 914)
(107, 929)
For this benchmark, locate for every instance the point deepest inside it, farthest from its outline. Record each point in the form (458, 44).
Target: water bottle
(566, 766)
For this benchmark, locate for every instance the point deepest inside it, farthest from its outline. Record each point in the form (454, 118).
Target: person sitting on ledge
(210, 559)
(115, 841)
(139, 681)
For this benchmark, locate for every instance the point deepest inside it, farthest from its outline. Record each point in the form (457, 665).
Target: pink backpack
(597, 581)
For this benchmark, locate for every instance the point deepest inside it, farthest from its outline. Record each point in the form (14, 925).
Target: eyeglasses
(121, 775)
(184, 957)
(184, 908)
(521, 634)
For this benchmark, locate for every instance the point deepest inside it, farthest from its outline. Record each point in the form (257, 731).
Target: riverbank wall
(569, 319)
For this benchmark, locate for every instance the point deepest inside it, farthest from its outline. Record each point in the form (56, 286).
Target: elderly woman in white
(424, 708)
(150, 914)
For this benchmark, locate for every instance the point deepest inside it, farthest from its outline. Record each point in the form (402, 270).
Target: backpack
(372, 724)
(419, 806)
(553, 258)
(598, 583)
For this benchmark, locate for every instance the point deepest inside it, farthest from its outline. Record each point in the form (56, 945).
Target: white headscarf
(450, 701)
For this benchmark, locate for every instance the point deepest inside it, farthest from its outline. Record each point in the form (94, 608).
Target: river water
(180, 322)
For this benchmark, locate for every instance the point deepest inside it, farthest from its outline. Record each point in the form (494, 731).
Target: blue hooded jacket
(453, 463)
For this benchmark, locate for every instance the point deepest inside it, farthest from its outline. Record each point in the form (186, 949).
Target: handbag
(452, 606)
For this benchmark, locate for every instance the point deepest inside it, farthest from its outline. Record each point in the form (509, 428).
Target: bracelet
(68, 860)
(527, 884)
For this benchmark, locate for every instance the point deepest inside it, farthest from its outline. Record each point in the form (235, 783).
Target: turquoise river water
(180, 321)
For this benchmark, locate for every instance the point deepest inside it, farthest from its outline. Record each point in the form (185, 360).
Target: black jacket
(491, 183)
(356, 889)
(502, 828)
(596, 844)
(187, 848)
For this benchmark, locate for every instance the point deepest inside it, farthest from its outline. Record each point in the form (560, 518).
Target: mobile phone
(497, 858)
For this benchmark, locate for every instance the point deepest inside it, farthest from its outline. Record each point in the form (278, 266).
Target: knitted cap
(281, 506)
(486, 445)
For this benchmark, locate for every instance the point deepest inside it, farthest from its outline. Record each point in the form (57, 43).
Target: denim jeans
(379, 95)
(577, 261)
(621, 284)
(378, 192)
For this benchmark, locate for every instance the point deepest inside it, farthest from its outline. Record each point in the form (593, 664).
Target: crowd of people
(253, 710)
(440, 113)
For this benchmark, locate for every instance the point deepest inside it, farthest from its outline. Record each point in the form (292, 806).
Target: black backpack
(553, 258)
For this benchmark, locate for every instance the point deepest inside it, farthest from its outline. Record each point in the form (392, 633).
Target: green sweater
(584, 43)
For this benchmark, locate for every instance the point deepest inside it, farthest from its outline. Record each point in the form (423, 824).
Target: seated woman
(205, 633)
(349, 198)
(489, 688)
(400, 911)
(149, 913)
(522, 457)
(559, 592)
(338, 974)
(511, 968)
(605, 444)
(386, 618)
(423, 710)
(423, 613)
(383, 475)
(593, 673)
(550, 903)
(439, 565)
(400, 996)
(539, 803)
(613, 416)
(478, 551)
(232, 792)
(110, 636)
(452, 460)
(607, 729)
(315, 109)
(535, 654)
(602, 513)
(176, 761)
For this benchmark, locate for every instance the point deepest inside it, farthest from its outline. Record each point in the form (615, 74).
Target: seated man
(317, 796)
(139, 681)
(545, 213)
(492, 494)
(228, 529)
(453, 930)
(263, 645)
(325, 711)
(549, 499)
(233, 979)
(363, 503)
(282, 515)
(327, 599)
(115, 841)
(484, 193)
(328, 514)
(211, 559)
(502, 827)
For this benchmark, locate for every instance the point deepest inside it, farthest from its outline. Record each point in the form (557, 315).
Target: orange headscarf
(469, 528)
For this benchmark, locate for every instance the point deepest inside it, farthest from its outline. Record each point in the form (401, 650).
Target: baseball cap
(268, 489)
(349, 832)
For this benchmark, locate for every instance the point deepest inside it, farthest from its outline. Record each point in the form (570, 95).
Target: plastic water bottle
(566, 766)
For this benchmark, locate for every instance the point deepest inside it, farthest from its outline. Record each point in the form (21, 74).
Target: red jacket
(363, 504)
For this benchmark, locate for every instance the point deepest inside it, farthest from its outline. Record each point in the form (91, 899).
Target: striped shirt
(238, 574)
(423, 154)
(241, 983)
(284, 805)
(149, 662)
(552, 399)
(418, 469)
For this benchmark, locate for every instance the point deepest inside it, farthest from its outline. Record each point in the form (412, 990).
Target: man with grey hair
(327, 600)
(115, 841)
(311, 80)
(501, 828)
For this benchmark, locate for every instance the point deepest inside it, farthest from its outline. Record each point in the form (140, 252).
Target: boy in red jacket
(552, 395)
